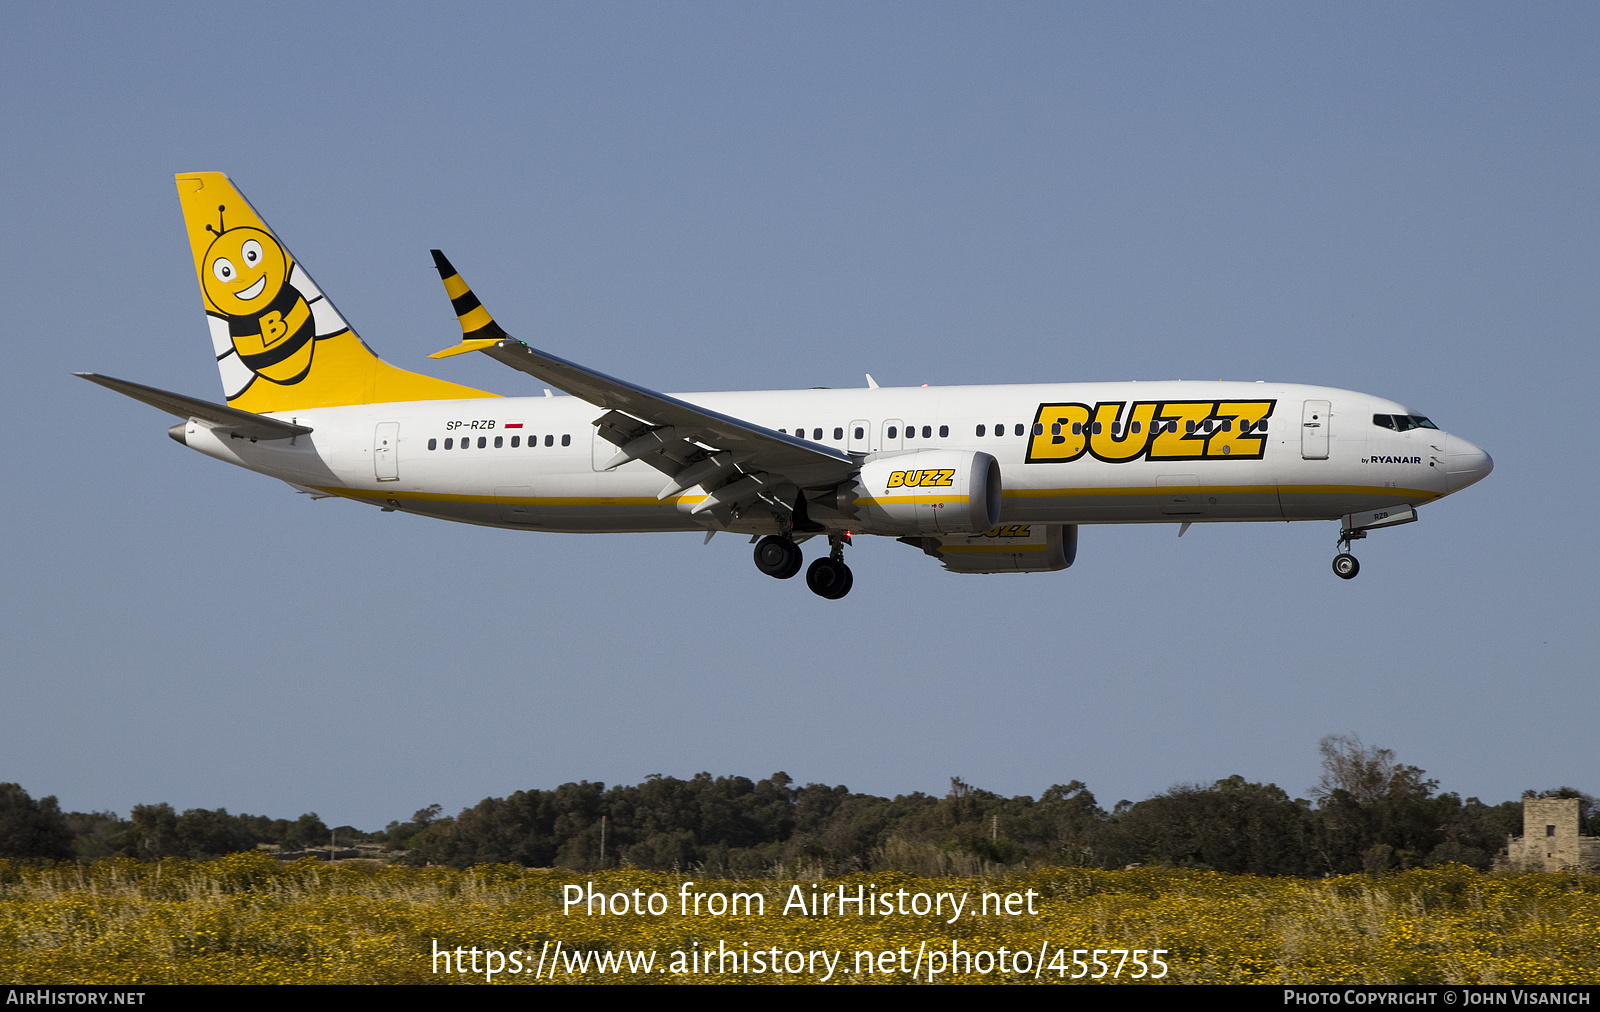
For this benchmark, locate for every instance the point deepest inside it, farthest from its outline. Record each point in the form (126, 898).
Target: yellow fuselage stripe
(1054, 493)
(501, 500)
(1025, 493)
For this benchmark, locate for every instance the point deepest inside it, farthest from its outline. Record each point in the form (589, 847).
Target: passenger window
(1077, 428)
(1135, 428)
(838, 432)
(483, 441)
(1116, 428)
(1227, 425)
(549, 440)
(433, 444)
(944, 432)
(499, 442)
(449, 444)
(927, 432)
(860, 432)
(1188, 428)
(1000, 429)
(1019, 428)
(892, 431)
(566, 440)
(1038, 429)
(911, 432)
(784, 431)
(1261, 426)
(516, 441)
(816, 434)
(1096, 429)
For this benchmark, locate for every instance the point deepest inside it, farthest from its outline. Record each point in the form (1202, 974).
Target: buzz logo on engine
(921, 479)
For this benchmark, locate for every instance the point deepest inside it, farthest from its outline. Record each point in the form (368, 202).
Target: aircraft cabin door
(386, 451)
(1314, 430)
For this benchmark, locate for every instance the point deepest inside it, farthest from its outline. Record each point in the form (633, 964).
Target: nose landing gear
(1345, 565)
(829, 577)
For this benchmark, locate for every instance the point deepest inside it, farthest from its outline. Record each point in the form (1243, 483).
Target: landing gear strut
(778, 557)
(829, 577)
(1345, 566)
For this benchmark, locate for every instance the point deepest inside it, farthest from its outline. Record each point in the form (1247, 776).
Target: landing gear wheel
(1345, 566)
(778, 557)
(829, 578)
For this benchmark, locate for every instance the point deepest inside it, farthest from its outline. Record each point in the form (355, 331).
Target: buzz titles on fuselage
(1114, 432)
(249, 281)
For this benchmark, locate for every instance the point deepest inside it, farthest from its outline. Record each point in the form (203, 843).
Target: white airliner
(986, 479)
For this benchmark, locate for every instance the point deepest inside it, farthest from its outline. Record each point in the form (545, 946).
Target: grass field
(250, 919)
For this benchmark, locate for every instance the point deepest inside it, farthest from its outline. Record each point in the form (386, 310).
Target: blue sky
(1395, 200)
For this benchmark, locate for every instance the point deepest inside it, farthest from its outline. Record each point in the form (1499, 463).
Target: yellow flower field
(250, 919)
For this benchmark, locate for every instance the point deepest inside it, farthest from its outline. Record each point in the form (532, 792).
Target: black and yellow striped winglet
(478, 329)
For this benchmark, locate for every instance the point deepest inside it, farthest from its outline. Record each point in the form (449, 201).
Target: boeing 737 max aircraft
(986, 479)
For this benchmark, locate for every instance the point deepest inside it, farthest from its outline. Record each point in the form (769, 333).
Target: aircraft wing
(734, 460)
(243, 424)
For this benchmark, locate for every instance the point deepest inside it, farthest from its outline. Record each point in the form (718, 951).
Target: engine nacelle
(928, 492)
(1009, 548)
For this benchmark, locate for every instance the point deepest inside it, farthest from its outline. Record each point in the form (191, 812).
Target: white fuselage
(536, 463)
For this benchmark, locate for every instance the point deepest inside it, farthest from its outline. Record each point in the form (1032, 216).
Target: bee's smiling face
(243, 271)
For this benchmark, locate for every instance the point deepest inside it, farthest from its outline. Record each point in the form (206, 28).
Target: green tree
(32, 830)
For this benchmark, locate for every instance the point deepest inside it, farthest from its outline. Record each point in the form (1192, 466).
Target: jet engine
(1008, 548)
(927, 492)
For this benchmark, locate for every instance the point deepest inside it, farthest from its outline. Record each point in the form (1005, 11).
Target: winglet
(466, 346)
(478, 329)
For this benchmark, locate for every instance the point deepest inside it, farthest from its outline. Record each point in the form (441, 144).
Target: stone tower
(1550, 840)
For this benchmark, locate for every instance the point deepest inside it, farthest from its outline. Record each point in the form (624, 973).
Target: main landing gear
(1345, 565)
(828, 577)
(778, 557)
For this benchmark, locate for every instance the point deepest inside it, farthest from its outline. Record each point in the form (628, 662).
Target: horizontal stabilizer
(244, 424)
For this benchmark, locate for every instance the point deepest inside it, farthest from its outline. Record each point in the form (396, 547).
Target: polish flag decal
(513, 425)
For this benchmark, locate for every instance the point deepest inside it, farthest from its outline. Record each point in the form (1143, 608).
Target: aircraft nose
(1464, 464)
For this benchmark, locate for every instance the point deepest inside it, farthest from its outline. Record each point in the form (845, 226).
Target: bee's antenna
(221, 225)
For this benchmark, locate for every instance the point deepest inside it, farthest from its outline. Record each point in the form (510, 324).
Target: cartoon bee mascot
(279, 343)
(268, 304)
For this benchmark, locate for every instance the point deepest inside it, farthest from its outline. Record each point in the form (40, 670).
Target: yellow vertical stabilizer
(280, 343)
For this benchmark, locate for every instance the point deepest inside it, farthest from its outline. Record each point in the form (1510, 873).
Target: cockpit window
(1402, 423)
